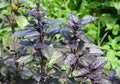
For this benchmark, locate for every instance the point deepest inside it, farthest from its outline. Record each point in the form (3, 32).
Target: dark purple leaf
(20, 33)
(5, 57)
(83, 71)
(55, 23)
(32, 35)
(112, 75)
(80, 46)
(65, 33)
(26, 73)
(39, 46)
(4, 24)
(79, 33)
(71, 59)
(53, 81)
(73, 45)
(105, 81)
(44, 13)
(48, 41)
(53, 31)
(31, 13)
(86, 20)
(96, 51)
(84, 83)
(32, 23)
(82, 37)
(37, 5)
(62, 43)
(28, 27)
(26, 43)
(86, 61)
(48, 51)
(38, 26)
(95, 75)
(98, 63)
(39, 76)
(73, 18)
(22, 51)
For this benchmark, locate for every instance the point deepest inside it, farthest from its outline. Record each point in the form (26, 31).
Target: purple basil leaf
(80, 46)
(20, 33)
(73, 18)
(25, 43)
(38, 26)
(98, 63)
(105, 81)
(37, 5)
(79, 33)
(96, 51)
(39, 76)
(22, 51)
(71, 59)
(31, 13)
(83, 71)
(82, 37)
(73, 45)
(112, 75)
(95, 75)
(65, 33)
(84, 83)
(86, 61)
(39, 46)
(86, 20)
(5, 57)
(44, 13)
(53, 22)
(53, 31)
(32, 23)
(26, 73)
(48, 51)
(53, 80)
(32, 35)
(28, 27)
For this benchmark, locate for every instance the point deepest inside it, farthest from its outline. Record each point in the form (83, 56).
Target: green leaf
(118, 71)
(21, 21)
(106, 47)
(117, 6)
(108, 20)
(6, 39)
(117, 53)
(75, 73)
(55, 58)
(3, 4)
(25, 59)
(84, 8)
(111, 55)
(112, 59)
(108, 66)
(65, 67)
(116, 29)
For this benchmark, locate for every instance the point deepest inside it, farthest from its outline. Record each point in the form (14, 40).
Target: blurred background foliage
(105, 32)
